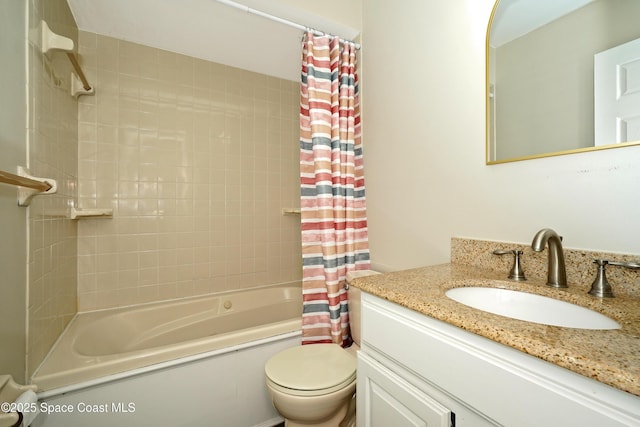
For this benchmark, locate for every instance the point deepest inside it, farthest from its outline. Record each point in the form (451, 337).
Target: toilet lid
(312, 367)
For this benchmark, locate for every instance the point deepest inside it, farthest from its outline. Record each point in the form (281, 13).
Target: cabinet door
(385, 399)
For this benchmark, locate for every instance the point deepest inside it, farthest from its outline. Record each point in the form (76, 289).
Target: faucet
(556, 273)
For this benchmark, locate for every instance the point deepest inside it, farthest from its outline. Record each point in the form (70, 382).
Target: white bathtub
(192, 359)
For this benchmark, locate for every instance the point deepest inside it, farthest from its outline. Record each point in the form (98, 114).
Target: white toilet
(315, 384)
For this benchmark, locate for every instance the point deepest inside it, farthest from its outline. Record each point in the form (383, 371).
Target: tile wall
(197, 160)
(53, 141)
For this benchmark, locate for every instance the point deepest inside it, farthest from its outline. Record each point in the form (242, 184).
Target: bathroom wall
(197, 160)
(13, 303)
(52, 147)
(424, 141)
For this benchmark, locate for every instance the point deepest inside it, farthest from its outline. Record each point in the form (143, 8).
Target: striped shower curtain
(334, 222)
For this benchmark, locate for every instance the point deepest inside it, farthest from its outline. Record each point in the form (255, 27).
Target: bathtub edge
(45, 394)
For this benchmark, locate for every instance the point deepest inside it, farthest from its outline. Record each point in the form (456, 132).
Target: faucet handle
(600, 286)
(516, 272)
(630, 264)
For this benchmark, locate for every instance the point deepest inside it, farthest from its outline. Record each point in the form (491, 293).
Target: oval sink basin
(531, 307)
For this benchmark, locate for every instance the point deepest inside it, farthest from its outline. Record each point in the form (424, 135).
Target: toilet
(315, 384)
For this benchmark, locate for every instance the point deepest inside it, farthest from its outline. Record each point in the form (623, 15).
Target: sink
(531, 307)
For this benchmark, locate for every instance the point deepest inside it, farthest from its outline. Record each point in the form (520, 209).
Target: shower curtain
(333, 209)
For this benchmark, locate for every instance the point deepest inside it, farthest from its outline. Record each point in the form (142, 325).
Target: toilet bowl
(314, 385)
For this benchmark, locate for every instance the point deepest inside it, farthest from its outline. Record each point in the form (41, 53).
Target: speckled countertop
(609, 356)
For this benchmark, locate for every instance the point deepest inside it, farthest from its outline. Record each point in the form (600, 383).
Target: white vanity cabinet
(417, 371)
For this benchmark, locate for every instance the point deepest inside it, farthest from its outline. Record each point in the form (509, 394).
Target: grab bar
(51, 41)
(76, 66)
(21, 181)
(28, 186)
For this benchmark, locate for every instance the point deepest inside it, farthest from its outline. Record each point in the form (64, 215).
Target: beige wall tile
(189, 153)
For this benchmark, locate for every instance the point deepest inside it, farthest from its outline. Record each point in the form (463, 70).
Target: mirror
(557, 82)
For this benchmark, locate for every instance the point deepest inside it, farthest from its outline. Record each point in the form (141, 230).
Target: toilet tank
(354, 304)
(355, 314)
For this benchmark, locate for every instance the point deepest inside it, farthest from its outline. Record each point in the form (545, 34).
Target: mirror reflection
(562, 77)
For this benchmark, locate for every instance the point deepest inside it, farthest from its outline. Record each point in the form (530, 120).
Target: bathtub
(161, 359)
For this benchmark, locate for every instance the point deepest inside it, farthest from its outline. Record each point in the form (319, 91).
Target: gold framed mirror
(553, 85)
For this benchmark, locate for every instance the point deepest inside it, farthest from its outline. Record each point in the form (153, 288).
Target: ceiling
(210, 30)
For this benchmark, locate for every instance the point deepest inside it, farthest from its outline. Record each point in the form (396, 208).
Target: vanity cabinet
(414, 370)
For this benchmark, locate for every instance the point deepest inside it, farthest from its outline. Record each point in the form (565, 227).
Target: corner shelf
(291, 211)
(77, 213)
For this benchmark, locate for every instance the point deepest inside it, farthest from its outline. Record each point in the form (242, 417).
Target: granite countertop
(608, 356)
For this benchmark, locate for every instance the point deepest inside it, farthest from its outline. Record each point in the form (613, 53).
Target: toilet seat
(296, 370)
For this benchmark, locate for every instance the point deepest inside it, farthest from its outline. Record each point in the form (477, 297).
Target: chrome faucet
(556, 273)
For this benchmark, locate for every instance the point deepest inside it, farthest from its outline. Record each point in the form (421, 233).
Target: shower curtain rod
(277, 19)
